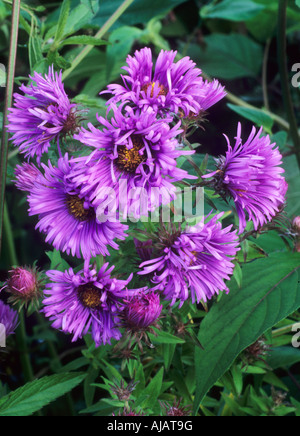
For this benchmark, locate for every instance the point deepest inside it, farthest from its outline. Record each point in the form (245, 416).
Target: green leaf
(233, 10)
(257, 116)
(88, 388)
(151, 393)
(283, 357)
(140, 12)
(238, 275)
(104, 407)
(37, 394)
(292, 176)
(2, 76)
(121, 41)
(81, 13)
(298, 3)
(35, 48)
(83, 40)
(57, 262)
(269, 294)
(62, 21)
(165, 338)
(250, 251)
(263, 26)
(228, 56)
(280, 138)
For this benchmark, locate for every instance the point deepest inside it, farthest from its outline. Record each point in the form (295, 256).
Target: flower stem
(21, 330)
(8, 104)
(12, 255)
(23, 350)
(284, 76)
(106, 26)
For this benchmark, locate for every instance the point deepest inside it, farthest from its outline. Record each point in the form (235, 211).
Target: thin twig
(8, 104)
(265, 75)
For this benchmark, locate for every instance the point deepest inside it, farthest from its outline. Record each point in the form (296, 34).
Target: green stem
(116, 15)
(282, 330)
(21, 330)
(12, 255)
(23, 350)
(284, 75)
(8, 104)
(56, 360)
(239, 102)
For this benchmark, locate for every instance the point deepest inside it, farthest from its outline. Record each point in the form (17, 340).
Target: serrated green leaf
(37, 394)
(83, 40)
(57, 262)
(151, 392)
(81, 13)
(62, 21)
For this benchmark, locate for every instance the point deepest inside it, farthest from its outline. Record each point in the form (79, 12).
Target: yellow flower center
(76, 208)
(89, 296)
(162, 89)
(130, 159)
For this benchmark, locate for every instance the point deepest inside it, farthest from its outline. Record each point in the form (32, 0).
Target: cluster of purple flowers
(139, 141)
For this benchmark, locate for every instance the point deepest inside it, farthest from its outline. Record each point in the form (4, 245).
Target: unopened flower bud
(129, 412)
(23, 285)
(296, 224)
(177, 409)
(144, 249)
(142, 310)
(123, 392)
(139, 315)
(26, 176)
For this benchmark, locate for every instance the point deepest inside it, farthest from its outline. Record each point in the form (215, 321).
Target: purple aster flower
(9, 318)
(250, 173)
(211, 93)
(284, 187)
(194, 262)
(135, 150)
(86, 302)
(69, 219)
(173, 86)
(26, 176)
(41, 114)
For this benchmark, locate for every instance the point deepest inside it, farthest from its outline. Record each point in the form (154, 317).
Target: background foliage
(213, 370)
